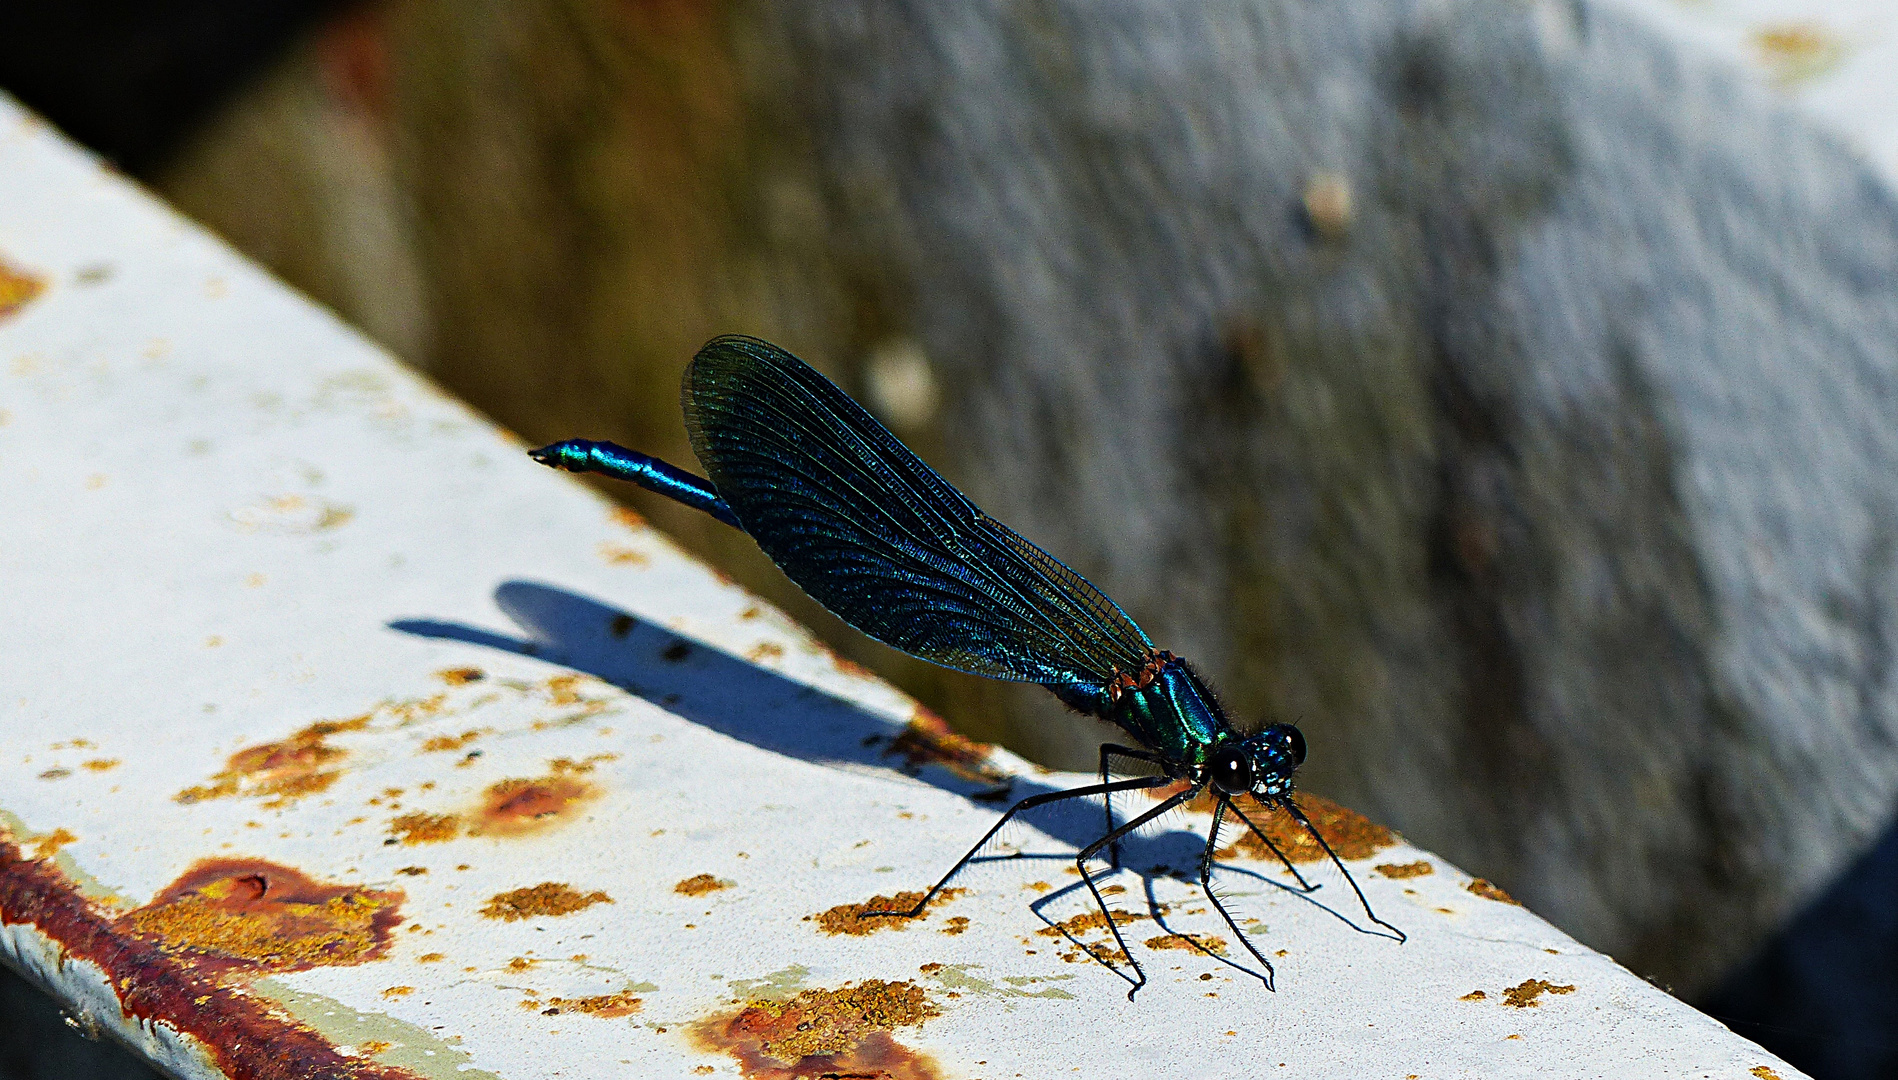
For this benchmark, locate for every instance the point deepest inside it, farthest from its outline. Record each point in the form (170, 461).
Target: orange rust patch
(763, 651)
(101, 764)
(419, 828)
(45, 847)
(560, 689)
(1195, 942)
(281, 771)
(1763, 1072)
(1401, 871)
(412, 871)
(256, 916)
(850, 918)
(1524, 994)
(822, 1033)
(431, 958)
(627, 516)
(518, 807)
(1474, 995)
(373, 1046)
(1489, 890)
(604, 1005)
(1351, 834)
(957, 924)
(394, 992)
(928, 740)
(700, 884)
(17, 289)
(153, 985)
(1088, 921)
(461, 676)
(546, 898)
(438, 743)
(621, 555)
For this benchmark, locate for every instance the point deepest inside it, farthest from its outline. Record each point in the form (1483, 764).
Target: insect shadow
(738, 698)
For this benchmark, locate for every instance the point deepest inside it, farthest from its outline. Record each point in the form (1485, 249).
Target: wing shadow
(738, 698)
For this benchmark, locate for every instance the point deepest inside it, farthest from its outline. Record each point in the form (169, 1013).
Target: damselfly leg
(1029, 803)
(1107, 801)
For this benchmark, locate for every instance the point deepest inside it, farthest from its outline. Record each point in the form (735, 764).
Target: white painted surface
(1837, 59)
(224, 516)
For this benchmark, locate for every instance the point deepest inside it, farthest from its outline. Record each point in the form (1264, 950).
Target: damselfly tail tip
(560, 455)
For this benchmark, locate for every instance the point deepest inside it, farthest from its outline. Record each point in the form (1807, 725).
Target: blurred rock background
(1497, 388)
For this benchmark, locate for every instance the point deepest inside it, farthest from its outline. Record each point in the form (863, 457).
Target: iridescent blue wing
(876, 536)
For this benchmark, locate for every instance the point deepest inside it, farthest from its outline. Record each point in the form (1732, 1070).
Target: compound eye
(1232, 772)
(1295, 744)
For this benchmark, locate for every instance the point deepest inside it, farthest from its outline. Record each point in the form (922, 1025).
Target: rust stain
(519, 807)
(620, 555)
(394, 992)
(546, 898)
(1794, 52)
(17, 289)
(825, 1033)
(764, 651)
(156, 985)
(47, 846)
(461, 676)
(1089, 921)
(439, 743)
(101, 764)
(1400, 871)
(928, 740)
(628, 517)
(560, 689)
(282, 771)
(1523, 995)
(1350, 834)
(1474, 995)
(257, 916)
(420, 828)
(603, 1005)
(1489, 890)
(1763, 1072)
(1195, 942)
(700, 884)
(850, 918)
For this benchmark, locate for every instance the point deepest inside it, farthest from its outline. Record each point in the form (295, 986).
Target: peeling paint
(548, 898)
(17, 289)
(825, 1033)
(519, 807)
(1489, 890)
(1350, 834)
(700, 884)
(154, 987)
(249, 914)
(303, 764)
(851, 918)
(1524, 994)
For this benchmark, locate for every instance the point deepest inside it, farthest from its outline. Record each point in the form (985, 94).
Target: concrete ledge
(340, 739)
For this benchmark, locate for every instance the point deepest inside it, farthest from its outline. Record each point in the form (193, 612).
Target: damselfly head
(1262, 764)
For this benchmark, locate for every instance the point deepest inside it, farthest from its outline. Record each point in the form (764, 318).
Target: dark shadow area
(738, 698)
(1823, 991)
(132, 81)
(36, 1043)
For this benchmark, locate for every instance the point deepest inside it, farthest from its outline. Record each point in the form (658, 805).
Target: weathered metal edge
(118, 986)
